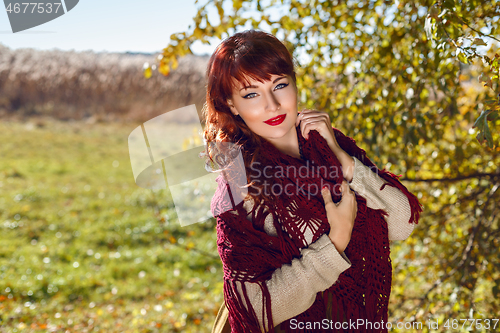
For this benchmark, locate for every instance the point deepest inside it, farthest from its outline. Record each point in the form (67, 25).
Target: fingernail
(324, 189)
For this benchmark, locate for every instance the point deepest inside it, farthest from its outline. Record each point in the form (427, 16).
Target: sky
(108, 25)
(112, 26)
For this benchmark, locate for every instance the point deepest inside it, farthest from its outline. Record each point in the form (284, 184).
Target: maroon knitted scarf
(250, 255)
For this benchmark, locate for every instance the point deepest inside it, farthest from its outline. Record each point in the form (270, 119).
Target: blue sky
(108, 25)
(113, 26)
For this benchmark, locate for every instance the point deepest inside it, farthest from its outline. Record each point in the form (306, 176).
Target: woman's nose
(272, 102)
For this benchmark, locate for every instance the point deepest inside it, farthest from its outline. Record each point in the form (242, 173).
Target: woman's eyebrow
(248, 87)
(279, 78)
(252, 86)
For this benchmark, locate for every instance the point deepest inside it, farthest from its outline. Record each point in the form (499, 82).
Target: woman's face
(268, 108)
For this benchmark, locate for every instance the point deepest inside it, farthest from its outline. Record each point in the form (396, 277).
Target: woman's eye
(251, 95)
(281, 86)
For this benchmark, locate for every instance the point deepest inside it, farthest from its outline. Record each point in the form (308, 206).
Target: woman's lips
(276, 120)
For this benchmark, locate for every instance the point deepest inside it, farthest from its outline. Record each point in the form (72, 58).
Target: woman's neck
(288, 144)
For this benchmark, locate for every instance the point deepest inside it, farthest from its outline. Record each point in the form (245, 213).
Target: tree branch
(453, 179)
(473, 195)
(465, 254)
(471, 28)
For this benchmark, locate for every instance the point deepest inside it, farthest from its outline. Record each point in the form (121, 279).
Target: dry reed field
(101, 86)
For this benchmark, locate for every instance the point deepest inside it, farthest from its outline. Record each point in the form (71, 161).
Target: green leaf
(481, 119)
(490, 101)
(433, 11)
(484, 130)
(493, 116)
(479, 41)
(450, 4)
(496, 288)
(483, 78)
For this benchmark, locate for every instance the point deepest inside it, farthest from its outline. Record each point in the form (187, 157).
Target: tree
(402, 79)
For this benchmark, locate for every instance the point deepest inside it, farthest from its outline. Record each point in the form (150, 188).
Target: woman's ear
(231, 107)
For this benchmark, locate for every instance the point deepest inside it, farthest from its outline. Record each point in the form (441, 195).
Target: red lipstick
(276, 120)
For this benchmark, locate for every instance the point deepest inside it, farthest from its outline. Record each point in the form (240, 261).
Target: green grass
(84, 249)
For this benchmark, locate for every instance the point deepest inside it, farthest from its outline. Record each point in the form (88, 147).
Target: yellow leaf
(164, 69)
(148, 72)
(197, 33)
(175, 63)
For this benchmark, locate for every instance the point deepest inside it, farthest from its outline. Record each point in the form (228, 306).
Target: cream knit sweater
(294, 286)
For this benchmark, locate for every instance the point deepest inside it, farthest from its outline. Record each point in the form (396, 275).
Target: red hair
(246, 55)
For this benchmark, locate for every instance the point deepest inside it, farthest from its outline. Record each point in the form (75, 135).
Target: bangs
(250, 55)
(258, 62)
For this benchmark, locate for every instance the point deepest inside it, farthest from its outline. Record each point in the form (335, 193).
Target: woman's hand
(320, 121)
(341, 216)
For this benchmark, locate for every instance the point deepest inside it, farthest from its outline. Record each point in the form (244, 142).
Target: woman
(295, 258)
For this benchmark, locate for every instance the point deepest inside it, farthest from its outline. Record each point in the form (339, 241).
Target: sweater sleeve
(368, 184)
(294, 286)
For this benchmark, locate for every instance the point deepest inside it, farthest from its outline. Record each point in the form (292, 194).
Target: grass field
(84, 249)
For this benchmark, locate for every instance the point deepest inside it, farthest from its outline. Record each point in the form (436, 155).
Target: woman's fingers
(348, 202)
(344, 189)
(349, 194)
(327, 197)
(316, 120)
(308, 115)
(312, 124)
(347, 190)
(340, 216)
